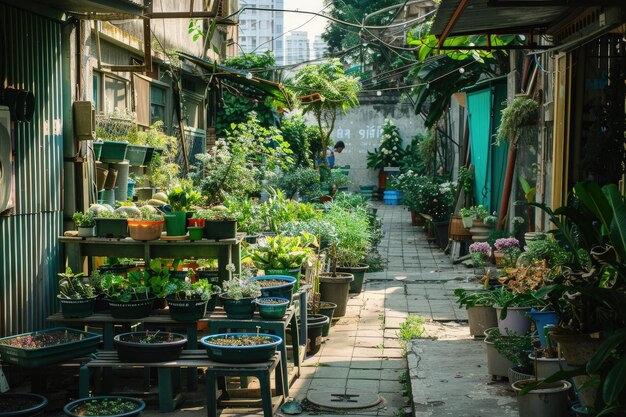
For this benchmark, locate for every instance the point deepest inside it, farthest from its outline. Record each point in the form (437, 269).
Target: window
(97, 97)
(193, 110)
(115, 94)
(157, 103)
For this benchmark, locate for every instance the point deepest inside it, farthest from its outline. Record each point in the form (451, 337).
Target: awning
(257, 87)
(123, 7)
(469, 17)
(563, 20)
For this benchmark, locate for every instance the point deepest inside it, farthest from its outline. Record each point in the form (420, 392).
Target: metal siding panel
(29, 247)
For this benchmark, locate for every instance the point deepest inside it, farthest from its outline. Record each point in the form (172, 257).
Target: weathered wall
(361, 129)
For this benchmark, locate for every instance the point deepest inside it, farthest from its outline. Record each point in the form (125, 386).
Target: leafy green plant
(184, 290)
(105, 407)
(71, 286)
(519, 120)
(282, 252)
(238, 287)
(84, 219)
(353, 236)
(299, 180)
(183, 196)
(124, 289)
(216, 213)
(411, 328)
(247, 213)
(325, 91)
(514, 347)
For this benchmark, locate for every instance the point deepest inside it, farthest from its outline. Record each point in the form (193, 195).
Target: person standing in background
(339, 147)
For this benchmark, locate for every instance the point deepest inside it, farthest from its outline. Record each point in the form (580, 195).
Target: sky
(293, 20)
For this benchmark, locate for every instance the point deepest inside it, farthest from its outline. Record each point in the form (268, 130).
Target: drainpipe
(508, 182)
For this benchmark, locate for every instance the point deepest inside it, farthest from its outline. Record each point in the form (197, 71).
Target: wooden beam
(180, 15)
(147, 44)
(452, 22)
(125, 68)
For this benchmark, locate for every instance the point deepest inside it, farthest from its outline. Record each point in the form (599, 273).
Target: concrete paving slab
(462, 387)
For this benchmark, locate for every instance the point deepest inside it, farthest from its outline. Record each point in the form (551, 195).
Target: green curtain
(484, 105)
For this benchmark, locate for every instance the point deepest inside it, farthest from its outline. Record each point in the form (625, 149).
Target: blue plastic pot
(543, 319)
(283, 291)
(240, 354)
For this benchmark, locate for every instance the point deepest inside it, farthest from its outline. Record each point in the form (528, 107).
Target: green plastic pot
(238, 309)
(176, 223)
(97, 150)
(46, 355)
(187, 310)
(356, 286)
(220, 229)
(167, 347)
(195, 232)
(25, 404)
(111, 228)
(136, 155)
(71, 407)
(77, 308)
(149, 155)
(272, 311)
(113, 152)
(327, 309)
(135, 309)
(240, 354)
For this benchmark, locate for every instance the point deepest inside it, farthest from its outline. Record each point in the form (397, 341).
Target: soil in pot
(276, 285)
(241, 347)
(149, 346)
(105, 406)
(22, 405)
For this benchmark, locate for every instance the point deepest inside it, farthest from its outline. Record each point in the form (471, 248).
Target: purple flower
(480, 247)
(505, 243)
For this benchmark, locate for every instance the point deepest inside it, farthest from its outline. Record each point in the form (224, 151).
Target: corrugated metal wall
(30, 46)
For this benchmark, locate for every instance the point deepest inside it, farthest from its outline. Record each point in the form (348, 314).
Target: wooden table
(225, 251)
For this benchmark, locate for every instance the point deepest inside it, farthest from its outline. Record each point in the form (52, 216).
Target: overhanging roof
(469, 17)
(125, 7)
(258, 87)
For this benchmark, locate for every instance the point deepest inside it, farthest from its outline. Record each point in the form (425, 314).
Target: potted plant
(467, 216)
(85, 223)
(480, 252)
(438, 200)
(190, 302)
(481, 314)
(129, 298)
(276, 285)
(241, 347)
(218, 223)
(515, 348)
(282, 255)
(105, 406)
(479, 230)
(512, 309)
(149, 346)
(506, 251)
(182, 197)
(147, 226)
(48, 346)
(588, 292)
(111, 224)
(238, 296)
(22, 404)
(77, 298)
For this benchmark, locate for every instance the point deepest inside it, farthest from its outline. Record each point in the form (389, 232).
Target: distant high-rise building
(258, 29)
(297, 47)
(320, 48)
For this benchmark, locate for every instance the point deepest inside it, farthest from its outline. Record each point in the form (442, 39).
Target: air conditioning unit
(6, 163)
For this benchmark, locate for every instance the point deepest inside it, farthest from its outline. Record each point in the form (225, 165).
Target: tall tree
(325, 91)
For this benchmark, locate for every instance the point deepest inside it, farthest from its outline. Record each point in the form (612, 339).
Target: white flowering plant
(390, 152)
(239, 286)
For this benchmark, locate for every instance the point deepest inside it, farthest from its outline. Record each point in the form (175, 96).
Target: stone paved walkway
(363, 353)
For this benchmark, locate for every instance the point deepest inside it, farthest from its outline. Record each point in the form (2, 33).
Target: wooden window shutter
(142, 99)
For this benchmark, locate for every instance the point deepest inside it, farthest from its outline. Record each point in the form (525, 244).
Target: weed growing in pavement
(380, 346)
(412, 328)
(400, 413)
(404, 380)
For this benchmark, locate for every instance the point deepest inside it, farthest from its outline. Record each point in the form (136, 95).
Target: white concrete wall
(361, 128)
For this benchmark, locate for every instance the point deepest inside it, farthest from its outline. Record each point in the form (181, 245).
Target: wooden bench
(169, 377)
